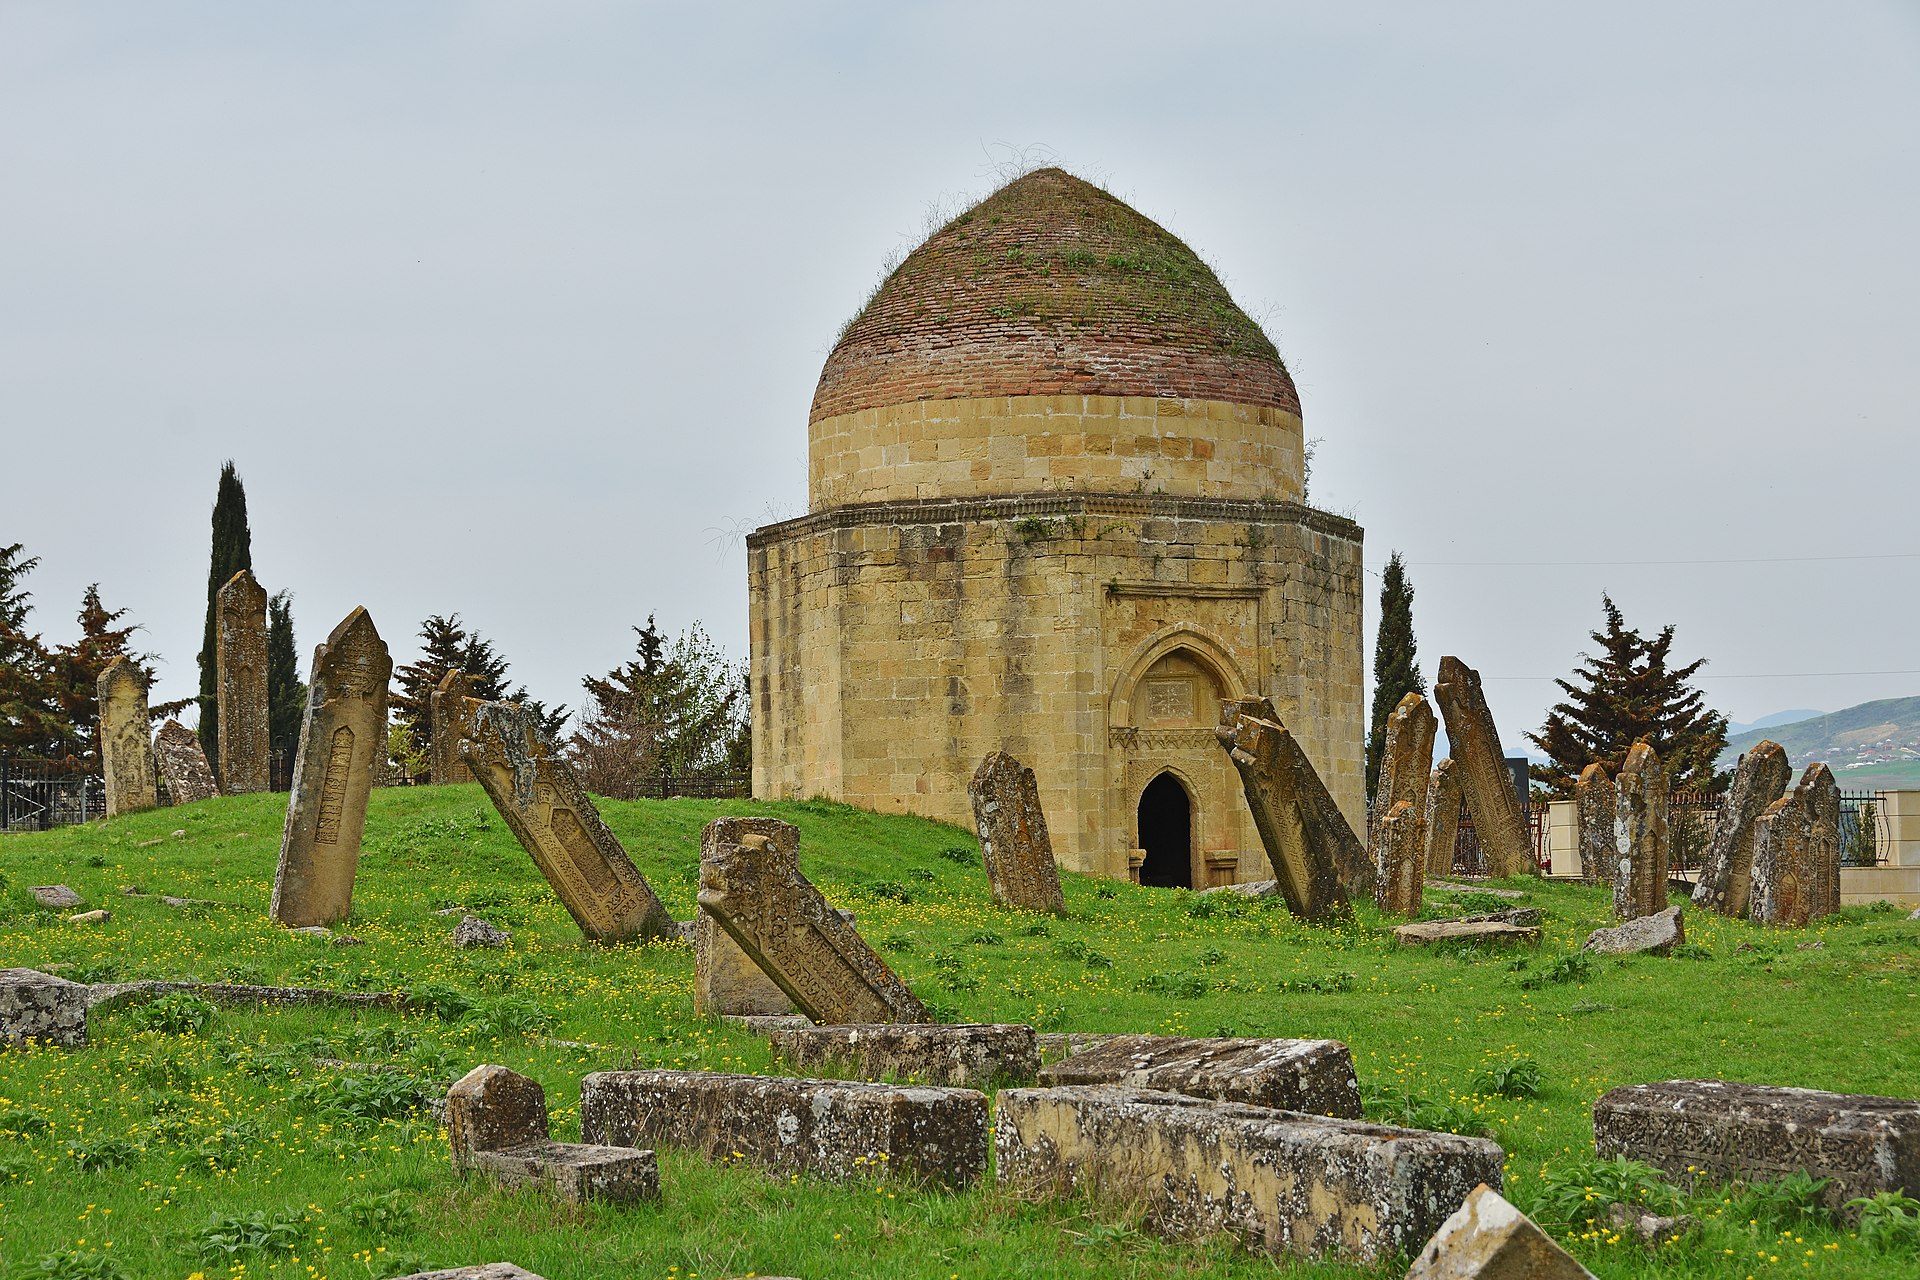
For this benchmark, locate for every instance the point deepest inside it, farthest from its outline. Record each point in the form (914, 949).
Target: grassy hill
(1874, 744)
(186, 1141)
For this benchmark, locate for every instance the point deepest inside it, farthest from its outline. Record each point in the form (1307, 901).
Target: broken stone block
(1725, 1131)
(1406, 757)
(1726, 870)
(1482, 766)
(242, 739)
(1448, 886)
(1013, 835)
(1283, 1181)
(1251, 889)
(1594, 802)
(90, 917)
(343, 730)
(472, 931)
(555, 822)
(1649, 1228)
(497, 1125)
(1314, 1076)
(1488, 1239)
(726, 981)
(485, 1271)
(1640, 836)
(754, 890)
(1400, 861)
(1423, 932)
(1317, 859)
(1443, 818)
(448, 707)
(833, 1129)
(1659, 933)
(968, 1056)
(1526, 917)
(1055, 1045)
(126, 753)
(39, 1008)
(56, 897)
(182, 762)
(1792, 840)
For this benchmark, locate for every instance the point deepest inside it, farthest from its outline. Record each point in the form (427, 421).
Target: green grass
(180, 1142)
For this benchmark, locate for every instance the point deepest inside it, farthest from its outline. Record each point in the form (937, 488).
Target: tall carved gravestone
(1443, 819)
(1484, 777)
(1823, 835)
(1726, 873)
(332, 774)
(1406, 757)
(726, 981)
(1593, 805)
(240, 651)
(1640, 836)
(1013, 835)
(183, 764)
(447, 714)
(126, 754)
(555, 822)
(1399, 860)
(1788, 874)
(1320, 864)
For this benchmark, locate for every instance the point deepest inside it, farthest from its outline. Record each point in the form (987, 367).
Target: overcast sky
(515, 310)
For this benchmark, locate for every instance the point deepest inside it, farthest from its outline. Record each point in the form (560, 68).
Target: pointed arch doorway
(1165, 827)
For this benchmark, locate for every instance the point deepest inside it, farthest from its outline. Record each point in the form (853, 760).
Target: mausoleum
(1056, 508)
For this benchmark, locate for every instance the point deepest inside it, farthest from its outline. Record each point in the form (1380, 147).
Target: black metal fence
(35, 795)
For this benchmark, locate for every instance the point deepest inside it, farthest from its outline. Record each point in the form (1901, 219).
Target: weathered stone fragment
(557, 824)
(1595, 800)
(472, 931)
(834, 1129)
(754, 890)
(1448, 886)
(1659, 933)
(1314, 1076)
(332, 774)
(1796, 835)
(1250, 889)
(1482, 766)
(726, 981)
(39, 1008)
(183, 764)
(1013, 835)
(1526, 917)
(126, 753)
(485, 1271)
(1055, 1045)
(1424, 932)
(1722, 1131)
(491, 1108)
(57, 897)
(1400, 861)
(972, 1056)
(1640, 837)
(1406, 757)
(1823, 840)
(242, 739)
(497, 1125)
(96, 916)
(1443, 818)
(449, 707)
(1489, 1239)
(1726, 872)
(1284, 1181)
(1317, 859)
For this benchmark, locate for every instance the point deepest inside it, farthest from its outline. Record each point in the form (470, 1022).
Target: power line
(1589, 564)
(1760, 675)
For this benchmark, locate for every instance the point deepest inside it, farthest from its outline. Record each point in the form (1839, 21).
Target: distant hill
(1859, 743)
(1774, 721)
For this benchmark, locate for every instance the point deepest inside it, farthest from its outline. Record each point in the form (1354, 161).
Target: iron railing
(36, 795)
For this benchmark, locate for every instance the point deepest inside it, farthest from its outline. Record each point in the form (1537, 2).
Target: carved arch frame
(1210, 654)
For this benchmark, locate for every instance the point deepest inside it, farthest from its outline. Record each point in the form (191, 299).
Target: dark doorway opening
(1166, 833)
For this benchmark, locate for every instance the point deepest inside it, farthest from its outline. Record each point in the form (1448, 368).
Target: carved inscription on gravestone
(1013, 833)
(183, 764)
(447, 714)
(1443, 819)
(1406, 757)
(332, 775)
(1823, 839)
(1726, 873)
(1640, 835)
(240, 655)
(1594, 802)
(1788, 872)
(726, 981)
(1399, 861)
(126, 754)
(558, 826)
(1482, 766)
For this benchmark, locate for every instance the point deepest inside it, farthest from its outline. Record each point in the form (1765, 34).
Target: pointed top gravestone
(1640, 838)
(448, 708)
(1406, 759)
(1726, 873)
(241, 671)
(126, 753)
(1443, 818)
(1320, 864)
(1484, 779)
(1013, 835)
(183, 764)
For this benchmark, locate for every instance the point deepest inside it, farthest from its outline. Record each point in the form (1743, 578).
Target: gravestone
(753, 889)
(834, 1129)
(1790, 841)
(1726, 872)
(1722, 1131)
(39, 1008)
(1406, 759)
(183, 764)
(1484, 778)
(1314, 1076)
(126, 753)
(1640, 836)
(1399, 861)
(1594, 802)
(1823, 839)
(497, 1125)
(1013, 835)
(1659, 933)
(1283, 1181)
(448, 707)
(332, 775)
(1443, 818)
(555, 822)
(1427, 932)
(1317, 859)
(1489, 1239)
(970, 1056)
(240, 654)
(726, 981)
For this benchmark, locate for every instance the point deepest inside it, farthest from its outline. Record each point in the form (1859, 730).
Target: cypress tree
(1396, 663)
(29, 719)
(232, 552)
(286, 691)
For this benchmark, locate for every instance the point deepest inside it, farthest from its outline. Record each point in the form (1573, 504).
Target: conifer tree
(677, 707)
(286, 691)
(447, 646)
(232, 552)
(29, 721)
(1627, 693)
(1396, 663)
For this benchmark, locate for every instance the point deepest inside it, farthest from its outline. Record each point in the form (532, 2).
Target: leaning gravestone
(1787, 852)
(332, 775)
(126, 753)
(1317, 859)
(1443, 818)
(1726, 872)
(1484, 779)
(1640, 836)
(183, 764)
(1399, 861)
(1406, 757)
(243, 742)
(1594, 802)
(726, 981)
(1013, 835)
(447, 709)
(557, 824)
(754, 890)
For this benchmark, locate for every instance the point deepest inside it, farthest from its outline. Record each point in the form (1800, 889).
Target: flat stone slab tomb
(1430, 931)
(966, 1056)
(1314, 1076)
(497, 1126)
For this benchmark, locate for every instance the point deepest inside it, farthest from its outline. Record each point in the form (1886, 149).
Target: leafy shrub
(1319, 984)
(1889, 1222)
(1106, 891)
(81, 1265)
(1691, 951)
(983, 938)
(385, 1213)
(364, 1095)
(953, 973)
(178, 1013)
(508, 1015)
(447, 1003)
(887, 890)
(226, 1148)
(959, 854)
(21, 1121)
(1213, 956)
(1579, 1191)
(1038, 929)
(1437, 1115)
(1520, 1078)
(101, 1153)
(1788, 1203)
(233, 1235)
(897, 943)
(1575, 966)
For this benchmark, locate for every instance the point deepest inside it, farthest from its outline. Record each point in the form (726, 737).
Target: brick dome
(1051, 287)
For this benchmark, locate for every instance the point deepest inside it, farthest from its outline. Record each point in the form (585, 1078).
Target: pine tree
(676, 707)
(29, 721)
(1396, 665)
(286, 691)
(76, 672)
(1628, 693)
(232, 552)
(447, 646)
